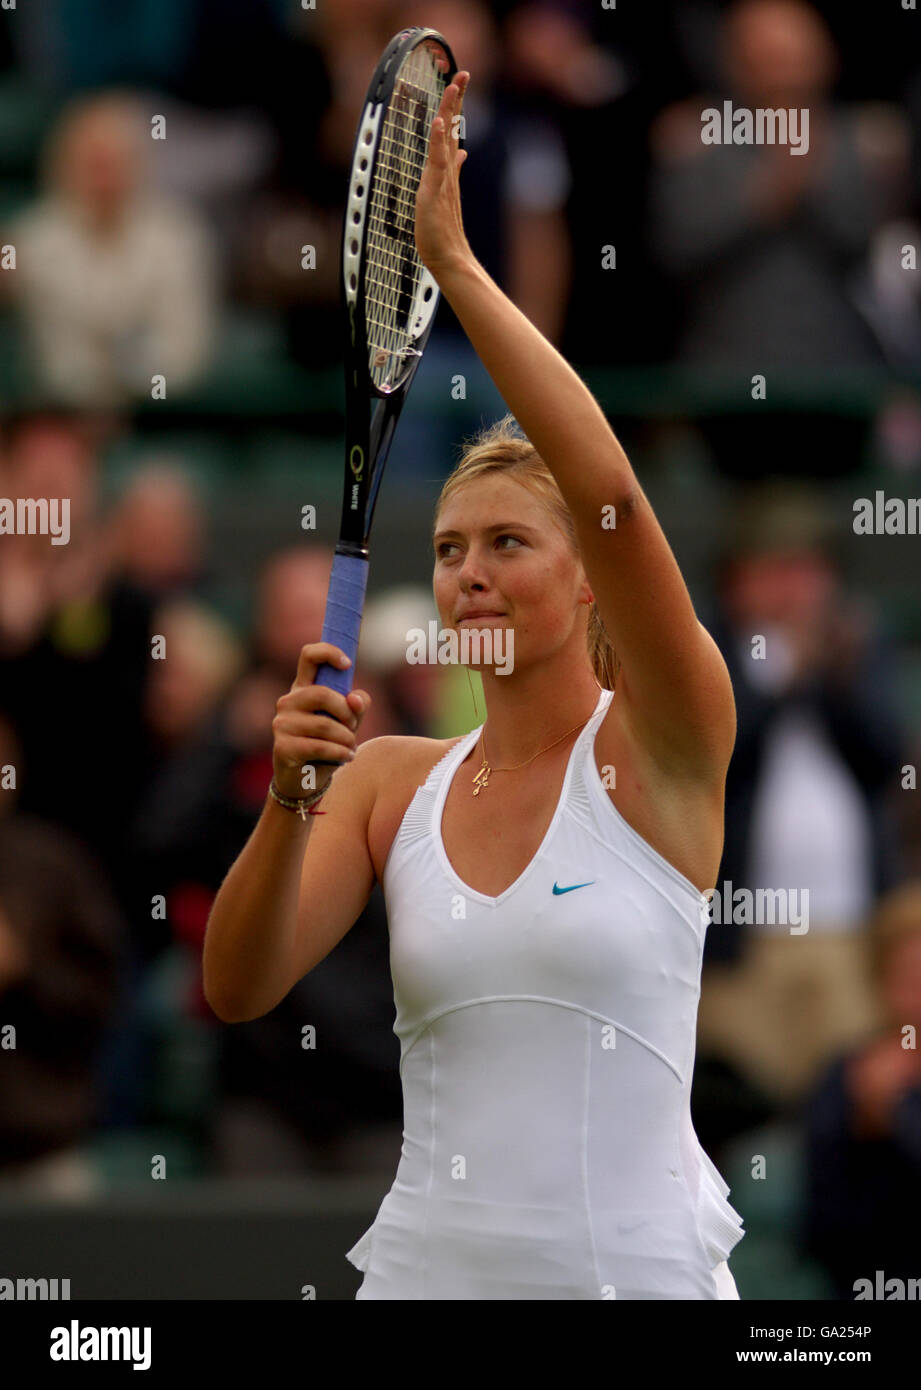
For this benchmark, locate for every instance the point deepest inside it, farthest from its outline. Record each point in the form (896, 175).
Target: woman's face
(498, 550)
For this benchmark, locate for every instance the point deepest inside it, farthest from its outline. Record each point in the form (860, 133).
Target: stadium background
(588, 194)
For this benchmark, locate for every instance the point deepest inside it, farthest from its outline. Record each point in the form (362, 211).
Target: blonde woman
(544, 874)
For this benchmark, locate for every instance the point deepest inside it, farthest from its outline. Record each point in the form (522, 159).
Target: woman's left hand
(440, 238)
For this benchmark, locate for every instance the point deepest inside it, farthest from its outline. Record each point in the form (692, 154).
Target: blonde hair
(503, 448)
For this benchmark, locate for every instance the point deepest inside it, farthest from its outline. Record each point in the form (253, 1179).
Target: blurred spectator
(817, 749)
(50, 457)
(114, 283)
(201, 660)
(159, 530)
(74, 650)
(550, 50)
(765, 237)
(290, 608)
(60, 939)
(768, 244)
(863, 1122)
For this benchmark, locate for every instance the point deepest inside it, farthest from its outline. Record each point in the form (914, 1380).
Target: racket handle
(344, 607)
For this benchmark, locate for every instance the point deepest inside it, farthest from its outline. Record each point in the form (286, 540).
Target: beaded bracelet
(302, 804)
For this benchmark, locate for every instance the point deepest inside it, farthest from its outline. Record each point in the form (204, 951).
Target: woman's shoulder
(399, 752)
(399, 763)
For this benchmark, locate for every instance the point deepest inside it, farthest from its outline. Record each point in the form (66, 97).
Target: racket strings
(401, 158)
(393, 268)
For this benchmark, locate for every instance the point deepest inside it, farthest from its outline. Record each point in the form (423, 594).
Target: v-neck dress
(547, 1040)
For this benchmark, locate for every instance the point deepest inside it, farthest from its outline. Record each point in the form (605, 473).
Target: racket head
(389, 297)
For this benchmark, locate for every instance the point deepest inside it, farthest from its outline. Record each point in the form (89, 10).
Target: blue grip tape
(342, 623)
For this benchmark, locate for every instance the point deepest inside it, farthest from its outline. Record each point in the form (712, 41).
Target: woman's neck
(528, 710)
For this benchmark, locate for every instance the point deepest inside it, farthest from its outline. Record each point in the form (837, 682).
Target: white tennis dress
(547, 1044)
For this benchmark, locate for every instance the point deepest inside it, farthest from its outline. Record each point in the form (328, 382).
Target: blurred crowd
(188, 153)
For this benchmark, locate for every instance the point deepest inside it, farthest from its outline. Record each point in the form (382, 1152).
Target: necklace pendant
(481, 780)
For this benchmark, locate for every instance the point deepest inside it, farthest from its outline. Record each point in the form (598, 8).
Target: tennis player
(544, 875)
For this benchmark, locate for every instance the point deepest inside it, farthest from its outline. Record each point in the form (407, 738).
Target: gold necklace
(481, 780)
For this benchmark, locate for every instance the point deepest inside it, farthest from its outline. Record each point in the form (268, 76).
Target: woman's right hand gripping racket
(389, 300)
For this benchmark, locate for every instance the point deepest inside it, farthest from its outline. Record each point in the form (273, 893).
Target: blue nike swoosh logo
(557, 889)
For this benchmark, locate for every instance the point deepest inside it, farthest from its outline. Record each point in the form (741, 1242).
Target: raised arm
(673, 679)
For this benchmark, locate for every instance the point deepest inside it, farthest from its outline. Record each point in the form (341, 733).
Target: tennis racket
(388, 301)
